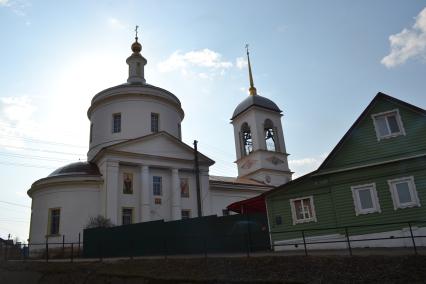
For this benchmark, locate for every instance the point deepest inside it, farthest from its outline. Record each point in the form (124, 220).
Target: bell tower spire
(136, 63)
(252, 89)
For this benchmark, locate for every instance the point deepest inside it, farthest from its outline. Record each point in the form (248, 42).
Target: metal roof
(255, 100)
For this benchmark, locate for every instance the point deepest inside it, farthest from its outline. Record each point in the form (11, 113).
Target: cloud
(201, 59)
(19, 7)
(115, 23)
(305, 165)
(241, 62)
(409, 43)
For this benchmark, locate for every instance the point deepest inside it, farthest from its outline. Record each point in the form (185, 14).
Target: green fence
(205, 235)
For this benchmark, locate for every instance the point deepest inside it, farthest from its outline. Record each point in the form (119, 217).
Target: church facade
(139, 170)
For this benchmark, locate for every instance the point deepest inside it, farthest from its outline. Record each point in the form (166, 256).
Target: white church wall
(221, 198)
(135, 121)
(77, 204)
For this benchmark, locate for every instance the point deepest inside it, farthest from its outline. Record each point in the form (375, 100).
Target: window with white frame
(157, 185)
(388, 124)
(303, 210)
(404, 193)
(155, 118)
(365, 199)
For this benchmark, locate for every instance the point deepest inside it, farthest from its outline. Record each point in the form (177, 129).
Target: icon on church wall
(184, 187)
(128, 183)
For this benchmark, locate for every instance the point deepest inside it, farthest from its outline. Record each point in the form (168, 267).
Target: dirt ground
(277, 269)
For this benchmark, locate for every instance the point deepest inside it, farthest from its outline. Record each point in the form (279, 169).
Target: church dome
(78, 168)
(255, 100)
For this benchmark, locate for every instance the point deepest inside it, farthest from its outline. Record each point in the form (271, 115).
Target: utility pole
(197, 179)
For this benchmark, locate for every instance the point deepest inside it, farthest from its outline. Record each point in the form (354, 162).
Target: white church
(139, 170)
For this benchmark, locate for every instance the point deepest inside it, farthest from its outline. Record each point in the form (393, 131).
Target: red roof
(252, 205)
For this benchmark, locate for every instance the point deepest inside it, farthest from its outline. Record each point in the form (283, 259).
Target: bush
(99, 222)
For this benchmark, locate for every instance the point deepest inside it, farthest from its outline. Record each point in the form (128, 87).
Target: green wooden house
(372, 185)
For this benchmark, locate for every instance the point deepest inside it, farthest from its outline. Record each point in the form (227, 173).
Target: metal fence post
(47, 250)
(63, 246)
(412, 239)
(348, 241)
(72, 252)
(78, 254)
(5, 252)
(304, 243)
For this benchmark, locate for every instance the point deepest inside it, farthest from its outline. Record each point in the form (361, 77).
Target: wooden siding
(363, 147)
(334, 204)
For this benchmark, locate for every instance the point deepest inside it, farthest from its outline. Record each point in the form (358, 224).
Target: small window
(128, 183)
(247, 141)
(154, 122)
(365, 199)
(404, 193)
(184, 187)
(180, 131)
(157, 186)
(225, 212)
(91, 133)
(54, 219)
(186, 213)
(278, 220)
(388, 124)
(116, 122)
(303, 210)
(157, 201)
(127, 216)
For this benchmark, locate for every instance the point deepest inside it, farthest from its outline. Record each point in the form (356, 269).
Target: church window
(54, 218)
(246, 139)
(184, 187)
(127, 216)
(154, 122)
(91, 133)
(270, 136)
(116, 122)
(180, 131)
(128, 183)
(186, 214)
(157, 186)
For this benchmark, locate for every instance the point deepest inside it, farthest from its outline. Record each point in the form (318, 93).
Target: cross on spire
(136, 32)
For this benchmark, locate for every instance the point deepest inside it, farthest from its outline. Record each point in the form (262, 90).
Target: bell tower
(259, 138)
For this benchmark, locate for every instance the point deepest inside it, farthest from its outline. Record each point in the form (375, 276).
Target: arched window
(246, 139)
(270, 136)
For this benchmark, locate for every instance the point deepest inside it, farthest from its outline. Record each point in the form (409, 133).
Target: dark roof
(79, 168)
(255, 100)
(379, 95)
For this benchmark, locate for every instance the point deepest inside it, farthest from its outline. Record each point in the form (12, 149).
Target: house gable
(361, 145)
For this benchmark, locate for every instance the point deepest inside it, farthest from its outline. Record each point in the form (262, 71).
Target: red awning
(252, 205)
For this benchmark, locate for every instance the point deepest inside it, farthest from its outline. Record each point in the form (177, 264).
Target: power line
(27, 165)
(40, 150)
(34, 157)
(14, 204)
(43, 141)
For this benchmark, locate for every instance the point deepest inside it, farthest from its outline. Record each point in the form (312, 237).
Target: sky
(321, 62)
